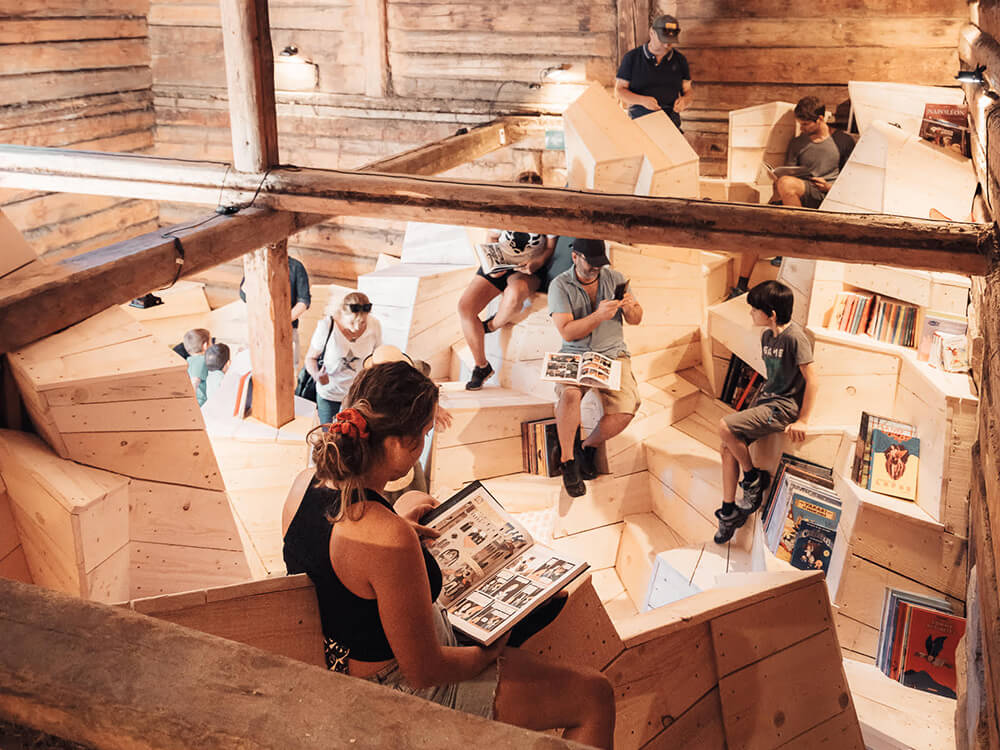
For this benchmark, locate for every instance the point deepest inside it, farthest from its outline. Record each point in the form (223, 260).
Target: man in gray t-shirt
(589, 312)
(815, 149)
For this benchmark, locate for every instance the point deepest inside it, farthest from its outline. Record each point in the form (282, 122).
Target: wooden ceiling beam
(856, 238)
(43, 298)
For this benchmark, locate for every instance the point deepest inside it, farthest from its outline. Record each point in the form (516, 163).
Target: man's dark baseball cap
(667, 28)
(595, 251)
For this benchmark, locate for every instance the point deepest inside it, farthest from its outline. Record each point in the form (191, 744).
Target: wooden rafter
(911, 243)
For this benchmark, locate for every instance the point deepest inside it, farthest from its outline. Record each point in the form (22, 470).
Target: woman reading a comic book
(377, 586)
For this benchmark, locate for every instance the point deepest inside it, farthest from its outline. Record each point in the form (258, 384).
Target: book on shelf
(918, 636)
(539, 440)
(742, 384)
(892, 322)
(894, 459)
(494, 574)
(950, 352)
(492, 258)
(589, 369)
(947, 126)
(933, 322)
(801, 515)
(861, 467)
(810, 470)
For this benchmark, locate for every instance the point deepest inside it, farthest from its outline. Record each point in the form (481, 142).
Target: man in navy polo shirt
(655, 75)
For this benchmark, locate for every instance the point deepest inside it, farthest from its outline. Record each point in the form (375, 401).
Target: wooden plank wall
(76, 75)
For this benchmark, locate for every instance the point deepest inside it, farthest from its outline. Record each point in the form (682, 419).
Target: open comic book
(493, 259)
(494, 573)
(590, 369)
(788, 170)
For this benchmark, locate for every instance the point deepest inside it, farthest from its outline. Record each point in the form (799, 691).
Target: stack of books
(881, 318)
(886, 457)
(742, 384)
(801, 514)
(539, 440)
(917, 641)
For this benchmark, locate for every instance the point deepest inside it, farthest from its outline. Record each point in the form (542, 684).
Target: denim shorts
(476, 696)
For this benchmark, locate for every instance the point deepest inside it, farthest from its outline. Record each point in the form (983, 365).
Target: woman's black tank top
(350, 621)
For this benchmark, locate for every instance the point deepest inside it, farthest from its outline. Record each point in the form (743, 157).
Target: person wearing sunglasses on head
(342, 340)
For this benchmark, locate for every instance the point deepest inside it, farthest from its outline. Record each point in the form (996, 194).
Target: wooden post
(633, 25)
(376, 60)
(246, 38)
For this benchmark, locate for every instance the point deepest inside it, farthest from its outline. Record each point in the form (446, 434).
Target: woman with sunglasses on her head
(347, 335)
(377, 586)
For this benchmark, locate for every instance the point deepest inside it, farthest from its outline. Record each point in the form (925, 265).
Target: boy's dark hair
(216, 356)
(772, 297)
(810, 108)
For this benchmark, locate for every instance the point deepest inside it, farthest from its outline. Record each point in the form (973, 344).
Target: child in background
(217, 362)
(784, 404)
(196, 343)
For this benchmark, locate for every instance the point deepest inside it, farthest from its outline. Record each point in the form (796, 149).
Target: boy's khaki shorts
(624, 401)
(761, 420)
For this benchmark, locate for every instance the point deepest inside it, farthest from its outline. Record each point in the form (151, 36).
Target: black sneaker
(735, 292)
(753, 491)
(571, 478)
(479, 376)
(585, 458)
(728, 524)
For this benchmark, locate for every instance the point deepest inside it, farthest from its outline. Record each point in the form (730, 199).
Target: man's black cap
(595, 251)
(667, 28)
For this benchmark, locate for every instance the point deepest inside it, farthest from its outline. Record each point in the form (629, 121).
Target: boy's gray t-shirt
(783, 354)
(822, 159)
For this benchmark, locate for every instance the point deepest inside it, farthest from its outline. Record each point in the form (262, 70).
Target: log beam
(42, 298)
(47, 298)
(889, 240)
(107, 677)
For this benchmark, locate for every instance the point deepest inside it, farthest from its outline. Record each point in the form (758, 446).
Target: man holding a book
(589, 304)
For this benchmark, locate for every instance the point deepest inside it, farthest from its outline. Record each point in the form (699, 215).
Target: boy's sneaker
(728, 524)
(585, 458)
(736, 291)
(571, 478)
(753, 491)
(479, 376)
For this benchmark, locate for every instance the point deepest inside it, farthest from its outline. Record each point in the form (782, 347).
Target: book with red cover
(929, 652)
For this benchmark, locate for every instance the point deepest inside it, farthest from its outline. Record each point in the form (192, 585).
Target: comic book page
(590, 369)
(498, 603)
(476, 538)
(492, 258)
(493, 572)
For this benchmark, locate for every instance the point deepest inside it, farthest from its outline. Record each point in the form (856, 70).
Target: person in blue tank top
(376, 585)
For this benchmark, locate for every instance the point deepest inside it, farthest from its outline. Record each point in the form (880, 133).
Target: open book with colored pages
(588, 369)
(492, 258)
(494, 573)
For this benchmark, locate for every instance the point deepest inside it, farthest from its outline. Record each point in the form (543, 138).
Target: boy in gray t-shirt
(784, 404)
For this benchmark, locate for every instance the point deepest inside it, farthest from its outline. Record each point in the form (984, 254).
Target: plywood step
(644, 536)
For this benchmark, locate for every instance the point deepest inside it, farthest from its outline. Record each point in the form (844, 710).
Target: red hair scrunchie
(352, 423)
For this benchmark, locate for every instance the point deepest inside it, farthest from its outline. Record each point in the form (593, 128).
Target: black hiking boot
(753, 491)
(571, 478)
(585, 458)
(479, 376)
(728, 524)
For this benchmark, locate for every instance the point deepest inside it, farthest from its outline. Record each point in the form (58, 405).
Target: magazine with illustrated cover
(889, 652)
(492, 258)
(947, 126)
(894, 459)
(494, 574)
(928, 659)
(590, 369)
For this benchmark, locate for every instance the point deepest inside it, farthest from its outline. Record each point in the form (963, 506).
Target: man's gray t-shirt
(567, 295)
(822, 159)
(783, 354)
